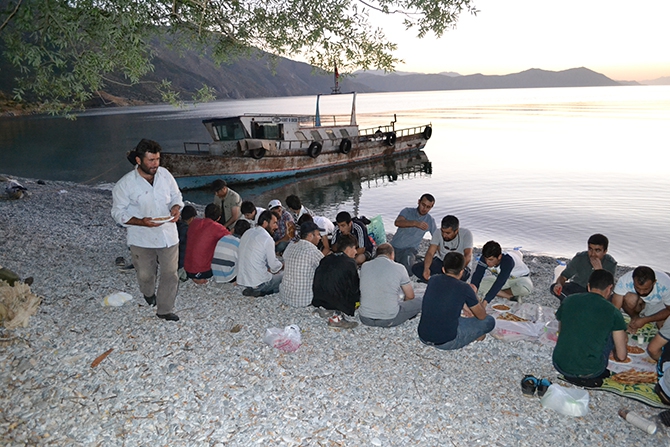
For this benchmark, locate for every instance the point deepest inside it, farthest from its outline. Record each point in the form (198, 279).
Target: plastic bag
(376, 230)
(567, 401)
(287, 339)
(117, 299)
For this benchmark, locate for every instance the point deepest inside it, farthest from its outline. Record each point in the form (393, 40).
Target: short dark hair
(428, 197)
(218, 185)
(453, 262)
(601, 279)
(187, 212)
(491, 249)
(213, 211)
(599, 239)
(266, 216)
(450, 222)
(385, 249)
(305, 218)
(241, 226)
(145, 146)
(247, 207)
(642, 274)
(345, 241)
(343, 217)
(293, 202)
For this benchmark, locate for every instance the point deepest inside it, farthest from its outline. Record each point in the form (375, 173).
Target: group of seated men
(592, 329)
(309, 261)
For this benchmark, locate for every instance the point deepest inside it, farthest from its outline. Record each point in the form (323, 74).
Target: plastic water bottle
(558, 270)
(638, 421)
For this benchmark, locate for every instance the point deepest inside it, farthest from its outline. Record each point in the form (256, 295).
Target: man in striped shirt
(225, 253)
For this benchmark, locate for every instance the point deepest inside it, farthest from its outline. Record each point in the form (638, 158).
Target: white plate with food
(161, 220)
(501, 307)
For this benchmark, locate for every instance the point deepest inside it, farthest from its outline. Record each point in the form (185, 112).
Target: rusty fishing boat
(260, 147)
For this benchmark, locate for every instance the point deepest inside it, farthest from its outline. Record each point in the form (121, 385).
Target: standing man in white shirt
(147, 201)
(258, 268)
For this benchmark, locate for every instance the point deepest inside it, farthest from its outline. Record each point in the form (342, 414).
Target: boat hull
(192, 171)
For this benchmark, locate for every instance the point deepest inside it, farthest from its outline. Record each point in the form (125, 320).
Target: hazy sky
(622, 39)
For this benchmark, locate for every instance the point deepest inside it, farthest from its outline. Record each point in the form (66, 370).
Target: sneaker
(323, 313)
(529, 385)
(341, 322)
(542, 387)
(120, 262)
(169, 317)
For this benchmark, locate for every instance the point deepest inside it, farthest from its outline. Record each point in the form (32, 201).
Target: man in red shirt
(202, 236)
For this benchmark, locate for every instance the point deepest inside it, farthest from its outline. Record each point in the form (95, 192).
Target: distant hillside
(660, 81)
(257, 77)
(533, 78)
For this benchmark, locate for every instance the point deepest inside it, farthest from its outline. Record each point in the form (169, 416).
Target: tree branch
(4, 24)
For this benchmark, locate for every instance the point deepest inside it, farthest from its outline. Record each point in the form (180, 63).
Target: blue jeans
(469, 330)
(272, 286)
(406, 257)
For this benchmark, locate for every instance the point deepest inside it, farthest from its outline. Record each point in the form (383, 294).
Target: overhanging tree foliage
(67, 50)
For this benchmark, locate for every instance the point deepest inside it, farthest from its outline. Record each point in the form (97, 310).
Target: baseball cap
(308, 227)
(274, 204)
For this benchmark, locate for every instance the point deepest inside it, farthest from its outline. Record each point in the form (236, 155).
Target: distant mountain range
(258, 77)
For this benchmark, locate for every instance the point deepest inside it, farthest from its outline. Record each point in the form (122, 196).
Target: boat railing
(391, 128)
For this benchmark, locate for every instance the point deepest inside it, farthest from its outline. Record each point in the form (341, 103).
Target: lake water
(538, 168)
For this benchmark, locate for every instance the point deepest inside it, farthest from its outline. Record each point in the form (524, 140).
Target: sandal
(542, 387)
(529, 385)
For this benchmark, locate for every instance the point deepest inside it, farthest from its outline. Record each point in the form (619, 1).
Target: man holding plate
(147, 201)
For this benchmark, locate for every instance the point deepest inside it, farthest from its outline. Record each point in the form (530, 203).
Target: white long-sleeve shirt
(133, 196)
(257, 260)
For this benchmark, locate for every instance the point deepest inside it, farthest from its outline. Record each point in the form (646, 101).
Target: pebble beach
(209, 380)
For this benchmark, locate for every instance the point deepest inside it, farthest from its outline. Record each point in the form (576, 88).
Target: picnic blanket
(641, 392)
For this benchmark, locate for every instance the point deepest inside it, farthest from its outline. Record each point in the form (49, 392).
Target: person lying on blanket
(657, 351)
(589, 328)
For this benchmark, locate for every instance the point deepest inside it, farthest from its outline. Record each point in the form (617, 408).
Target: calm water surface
(537, 168)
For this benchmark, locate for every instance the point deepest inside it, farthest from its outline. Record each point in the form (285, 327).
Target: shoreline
(195, 382)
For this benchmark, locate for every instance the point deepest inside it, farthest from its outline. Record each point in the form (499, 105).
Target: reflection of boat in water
(328, 190)
(252, 148)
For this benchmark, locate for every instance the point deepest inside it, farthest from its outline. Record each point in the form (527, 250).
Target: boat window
(316, 136)
(300, 135)
(330, 134)
(344, 133)
(229, 131)
(268, 131)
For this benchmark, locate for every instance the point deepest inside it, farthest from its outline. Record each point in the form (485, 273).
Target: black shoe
(529, 385)
(542, 387)
(250, 291)
(151, 300)
(169, 317)
(120, 262)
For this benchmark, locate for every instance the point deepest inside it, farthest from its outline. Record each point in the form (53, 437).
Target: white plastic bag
(567, 401)
(117, 299)
(287, 339)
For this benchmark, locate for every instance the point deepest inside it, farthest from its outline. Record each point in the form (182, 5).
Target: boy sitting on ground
(508, 276)
(657, 351)
(203, 234)
(576, 274)
(589, 328)
(337, 285)
(441, 324)
(387, 296)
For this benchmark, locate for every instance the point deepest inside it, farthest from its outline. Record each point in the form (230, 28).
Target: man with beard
(644, 294)
(450, 237)
(412, 223)
(147, 201)
(258, 268)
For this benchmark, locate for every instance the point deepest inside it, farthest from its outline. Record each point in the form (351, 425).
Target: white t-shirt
(659, 294)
